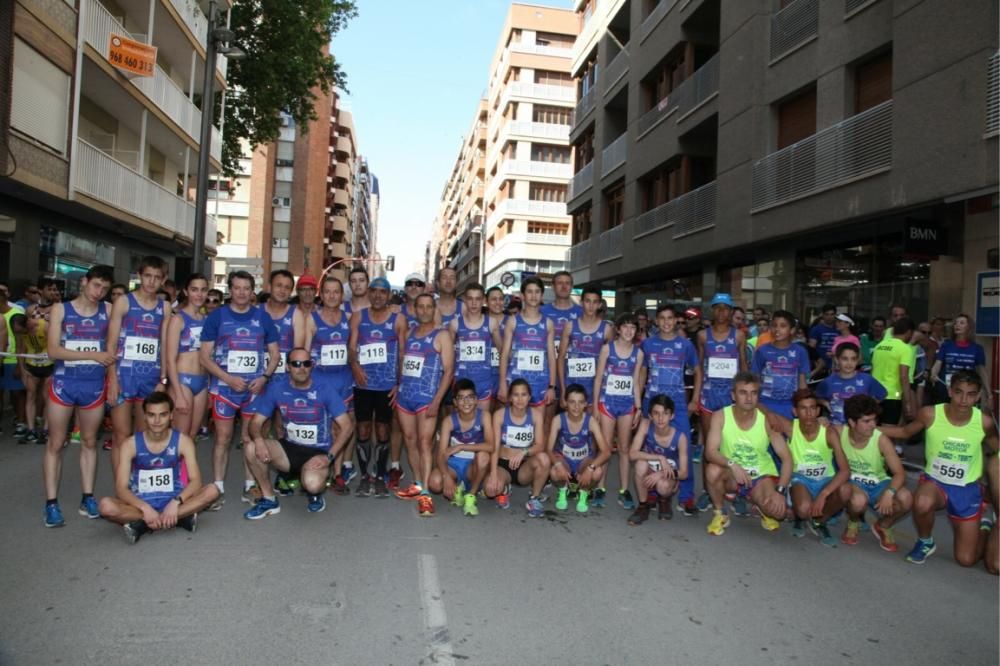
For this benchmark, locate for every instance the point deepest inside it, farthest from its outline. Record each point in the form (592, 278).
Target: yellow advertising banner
(132, 58)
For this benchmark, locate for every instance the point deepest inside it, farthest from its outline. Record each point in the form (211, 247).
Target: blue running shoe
(263, 508)
(598, 501)
(53, 516)
(349, 473)
(316, 503)
(696, 453)
(535, 508)
(704, 502)
(88, 508)
(798, 529)
(625, 500)
(921, 551)
(740, 507)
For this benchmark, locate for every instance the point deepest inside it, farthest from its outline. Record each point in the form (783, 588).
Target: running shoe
(262, 509)
(349, 473)
(425, 505)
(798, 529)
(768, 523)
(458, 499)
(640, 515)
(104, 447)
(704, 502)
(364, 488)
(53, 516)
(581, 502)
(134, 530)
(217, 504)
(823, 532)
(395, 475)
(562, 503)
(503, 500)
(598, 500)
(987, 521)
(316, 504)
(412, 492)
(88, 508)
(625, 500)
(340, 486)
(469, 507)
(921, 551)
(886, 539)
(379, 489)
(719, 523)
(202, 434)
(696, 452)
(850, 535)
(282, 487)
(295, 484)
(535, 508)
(740, 507)
(189, 523)
(664, 508)
(31, 437)
(251, 495)
(75, 436)
(20, 430)
(688, 508)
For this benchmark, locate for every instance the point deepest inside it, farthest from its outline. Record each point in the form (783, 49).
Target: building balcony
(533, 130)
(585, 105)
(535, 92)
(345, 147)
(105, 179)
(341, 170)
(697, 89)
(338, 250)
(540, 49)
(653, 19)
(616, 70)
(341, 198)
(534, 169)
(525, 209)
(548, 239)
(578, 256)
(609, 244)
(687, 214)
(793, 26)
(614, 155)
(197, 24)
(993, 95)
(339, 223)
(855, 148)
(582, 181)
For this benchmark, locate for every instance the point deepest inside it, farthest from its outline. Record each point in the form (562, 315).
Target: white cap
(843, 317)
(415, 276)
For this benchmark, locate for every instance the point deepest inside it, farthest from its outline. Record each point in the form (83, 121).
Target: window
(797, 118)
(554, 115)
(40, 105)
(554, 39)
(588, 78)
(665, 77)
(614, 206)
(547, 192)
(545, 152)
(584, 149)
(282, 189)
(549, 228)
(581, 225)
(281, 230)
(548, 78)
(873, 82)
(286, 153)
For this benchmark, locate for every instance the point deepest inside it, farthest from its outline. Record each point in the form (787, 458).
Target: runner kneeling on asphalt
(464, 449)
(660, 453)
(575, 459)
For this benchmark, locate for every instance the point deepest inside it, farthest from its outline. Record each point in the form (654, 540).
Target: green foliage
(285, 63)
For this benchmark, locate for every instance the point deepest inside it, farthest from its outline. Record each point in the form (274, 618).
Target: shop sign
(924, 239)
(130, 57)
(988, 303)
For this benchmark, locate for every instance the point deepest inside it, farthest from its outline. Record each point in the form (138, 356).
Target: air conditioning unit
(281, 202)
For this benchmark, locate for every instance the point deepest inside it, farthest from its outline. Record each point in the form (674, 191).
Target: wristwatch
(266, 377)
(780, 488)
(164, 380)
(180, 500)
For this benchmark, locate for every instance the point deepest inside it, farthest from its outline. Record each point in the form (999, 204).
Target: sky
(415, 74)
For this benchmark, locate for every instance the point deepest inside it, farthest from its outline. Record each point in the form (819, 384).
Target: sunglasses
(301, 364)
(414, 283)
(465, 398)
(212, 300)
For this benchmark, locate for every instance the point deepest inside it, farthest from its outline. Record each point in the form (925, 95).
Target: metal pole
(204, 146)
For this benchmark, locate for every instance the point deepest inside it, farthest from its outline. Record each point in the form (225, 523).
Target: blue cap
(722, 299)
(379, 283)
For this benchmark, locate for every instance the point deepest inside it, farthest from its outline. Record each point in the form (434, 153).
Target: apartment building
(99, 163)
(529, 101)
(791, 152)
(240, 246)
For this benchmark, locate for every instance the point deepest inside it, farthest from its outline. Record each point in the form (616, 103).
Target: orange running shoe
(425, 505)
(412, 492)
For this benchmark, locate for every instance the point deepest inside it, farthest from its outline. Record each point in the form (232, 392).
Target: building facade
(99, 164)
(240, 246)
(791, 152)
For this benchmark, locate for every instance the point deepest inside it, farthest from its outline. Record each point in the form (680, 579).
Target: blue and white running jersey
(446, 318)
(619, 373)
(378, 351)
(156, 477)
(80, 333)
(473, 435)
(517, 436)
(286, 336)
(473, 353)
(306, 413)
(577, 446)
(561, 318)
(529, 356)
(779, 371)
(329, 347)
(422, 369)
(836, 390)
(411, 317)
(666, 361)
(139, 340)
(241, 340)
(581, 357)
(721, 363)
(190, 337)
(671, 451)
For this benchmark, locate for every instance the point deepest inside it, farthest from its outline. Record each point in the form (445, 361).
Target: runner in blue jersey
(239, 348)
(137, 333)
(158, 483)
(582, 340)
(618, 396)
(476, 337)
(519, 454)
(377, 335)
(577, 449)
(660, 453)
(188, 381)
(448, 306)
(823, 333)
(528, 351)
(668, 359)
(494, 307)
(958, 353)
(465, 444)
(414, 285)
(427, 371)
(782, 366)
(328, 332)
(309, 409)
(845, 382)
(76, 341)
(563, 312)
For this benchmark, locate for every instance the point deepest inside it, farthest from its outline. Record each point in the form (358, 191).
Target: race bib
(473, 350)
(306, 435)
(412, 365)
(494, 357)
(242, 362)
(141, 349)
(373, 353)
(575, 453)
(949, 472)
(156, 481)
(529, 360)
(519, 437)
(654, 465)
(195, 332)
(282, 368)
(582, 367)
(864, 480)
(333, 355)
(464, 455)
(618, 385)
(722, 368)
(812, 471)
(82, 346)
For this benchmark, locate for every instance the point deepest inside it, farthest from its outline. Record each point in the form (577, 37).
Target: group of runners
(331, 389)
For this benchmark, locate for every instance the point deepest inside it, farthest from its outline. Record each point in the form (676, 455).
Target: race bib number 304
(619, 385)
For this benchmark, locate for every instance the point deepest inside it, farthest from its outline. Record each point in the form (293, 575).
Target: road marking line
(435, 618)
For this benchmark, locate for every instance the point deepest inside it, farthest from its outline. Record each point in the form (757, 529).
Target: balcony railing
(101, 177)
(793, 26)
(582, 181)
(541, 49)
(548, 239)
(614, 155)
(578, 255)
(539, 130)
(609, 244)
(654, 17)
(697, 88)
(687, 213)
(854, 148)
(662, 110)
(616, 69)
(524, 208)
(585, 105)
(535, 168)
(993, 95)
(852, 6)
(546, 92)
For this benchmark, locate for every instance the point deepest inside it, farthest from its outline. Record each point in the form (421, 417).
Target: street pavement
(370, 582)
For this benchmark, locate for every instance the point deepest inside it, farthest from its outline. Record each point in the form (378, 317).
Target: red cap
(693, 312)
(307, 281)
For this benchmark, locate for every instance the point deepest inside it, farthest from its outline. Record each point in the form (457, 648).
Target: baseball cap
(307, 281)
(379, 283)
(722, 299)
(415, 276)
(843, 317)
(693, 312)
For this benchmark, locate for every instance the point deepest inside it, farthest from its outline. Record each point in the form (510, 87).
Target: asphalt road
(370, 582)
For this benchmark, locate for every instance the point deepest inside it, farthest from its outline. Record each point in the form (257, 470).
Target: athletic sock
(221, 486)
(929, 541)
(269, 498)
(364, 449)
(247, 484)
(394, 465)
